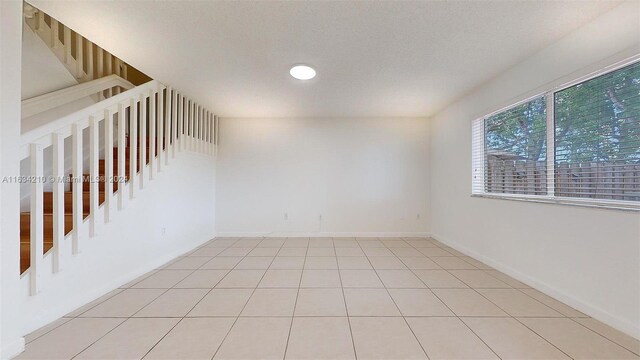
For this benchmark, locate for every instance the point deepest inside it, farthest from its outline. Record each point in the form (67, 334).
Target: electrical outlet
(163, 231)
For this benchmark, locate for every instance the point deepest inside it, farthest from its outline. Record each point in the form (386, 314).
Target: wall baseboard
(597, 313)
(12, 349)
(323, 234)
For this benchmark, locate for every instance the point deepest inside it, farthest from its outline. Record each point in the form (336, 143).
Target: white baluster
(217, 134)
(37, 218)
(194, 127)
(160, 116)
(100, 65)
(205, 131)
(167, 125)
(40, 21)
(94, 173)
(143, 140)
(203, 114)
(133, 145)
(211, 134)
(207, 127)
(200, 128)
(79, 56)
(67, 44)
(181, 123)
(122, 126)
(58, 199)
(55, 33)
(192, 117)
(108, 165)
(89, 46)
(174, 123)
(187, 123)
(109, 71)
(116, 71)
(76, 159)
(194, 120)
(152, 134)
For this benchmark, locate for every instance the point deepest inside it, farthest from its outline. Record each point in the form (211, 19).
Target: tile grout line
(193, 307)
(245, 304)
(515, 318)
(50, 330)
(636, 351)
(394, 302)
(248, 299)
(120, 324)
(344, 299)
(295, 305)
(453, 312)
(503, 310)
(155, 271)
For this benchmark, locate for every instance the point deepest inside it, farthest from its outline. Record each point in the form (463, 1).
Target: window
(597, 137)
(515, 150)
(586, 149)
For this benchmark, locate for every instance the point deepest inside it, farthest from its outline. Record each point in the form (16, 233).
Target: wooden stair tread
(68, 201)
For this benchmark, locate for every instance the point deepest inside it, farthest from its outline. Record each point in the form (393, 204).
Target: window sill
(599, 204)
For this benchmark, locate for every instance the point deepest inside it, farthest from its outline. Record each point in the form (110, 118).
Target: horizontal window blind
(477, 156)
(597, 137)
(515, 150)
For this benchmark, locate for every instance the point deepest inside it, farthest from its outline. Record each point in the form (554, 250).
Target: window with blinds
(514, 150)
(597, 137)
(587, 148)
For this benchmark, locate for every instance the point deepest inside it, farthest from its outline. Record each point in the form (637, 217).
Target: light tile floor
(342, 298)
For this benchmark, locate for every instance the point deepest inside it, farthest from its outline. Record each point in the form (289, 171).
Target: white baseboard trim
(322, 234)
(597, 313)
(12, 349)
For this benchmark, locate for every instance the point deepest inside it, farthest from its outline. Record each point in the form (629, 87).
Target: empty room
(319, 179)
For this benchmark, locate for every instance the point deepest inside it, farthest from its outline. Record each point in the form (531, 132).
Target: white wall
(363, 176)
(42, 72)
(11, 341)
(179, 200)
(588, 258)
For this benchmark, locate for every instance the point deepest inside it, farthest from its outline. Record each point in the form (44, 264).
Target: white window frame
(477, 155)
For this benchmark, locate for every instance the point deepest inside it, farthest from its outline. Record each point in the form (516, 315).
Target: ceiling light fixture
(302, 72)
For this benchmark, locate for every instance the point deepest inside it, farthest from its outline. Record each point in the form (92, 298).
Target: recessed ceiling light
(302, 72)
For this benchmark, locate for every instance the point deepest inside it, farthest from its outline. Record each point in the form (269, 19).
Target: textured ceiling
(372, 58)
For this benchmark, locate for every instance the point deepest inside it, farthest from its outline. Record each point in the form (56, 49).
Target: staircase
(138, 129)
(48, 206)
(85, 60)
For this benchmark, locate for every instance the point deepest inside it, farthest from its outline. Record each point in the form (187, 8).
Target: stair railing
(46, 102)
(85, 60)
(167, 119)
